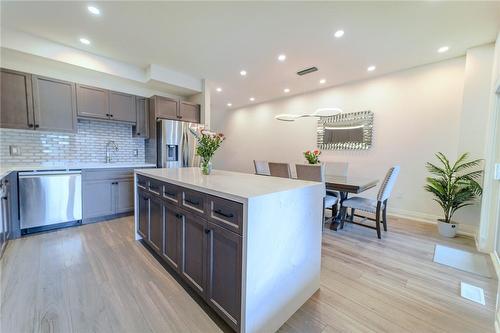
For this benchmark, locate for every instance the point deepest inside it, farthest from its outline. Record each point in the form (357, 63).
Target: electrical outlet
(497, 171)
(14, 150)
(136, 152)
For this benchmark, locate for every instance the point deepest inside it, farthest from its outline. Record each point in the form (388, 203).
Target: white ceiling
(216, 40)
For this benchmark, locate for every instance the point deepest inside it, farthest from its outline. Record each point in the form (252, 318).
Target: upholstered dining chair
(280, 170)
(261, 168)
(377, 207)
(316, 173)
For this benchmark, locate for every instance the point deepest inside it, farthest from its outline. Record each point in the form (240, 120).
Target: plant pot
(447, 229)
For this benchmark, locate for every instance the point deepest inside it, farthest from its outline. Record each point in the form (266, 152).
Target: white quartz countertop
(8, 168)
(232, 185)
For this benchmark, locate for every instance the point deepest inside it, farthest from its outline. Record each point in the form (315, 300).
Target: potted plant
(208, 143)
(454, 186)
(312, 156)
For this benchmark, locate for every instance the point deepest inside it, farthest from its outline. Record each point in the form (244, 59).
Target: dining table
(346, 185)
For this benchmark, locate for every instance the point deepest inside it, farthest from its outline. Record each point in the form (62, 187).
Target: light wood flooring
(96, 278)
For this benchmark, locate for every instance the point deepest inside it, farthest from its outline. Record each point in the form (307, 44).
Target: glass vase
(206, 167)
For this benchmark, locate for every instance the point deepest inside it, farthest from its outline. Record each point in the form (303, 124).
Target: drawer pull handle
(170, 194)
(220, 212)
(194, 203)
(179, 216)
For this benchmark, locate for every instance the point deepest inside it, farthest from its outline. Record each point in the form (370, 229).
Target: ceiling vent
(307, 71)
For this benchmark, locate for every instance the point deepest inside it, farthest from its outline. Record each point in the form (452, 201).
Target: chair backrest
(280, 170)
(315, 173)
(261, 168)
(336, 168)
(388, 184)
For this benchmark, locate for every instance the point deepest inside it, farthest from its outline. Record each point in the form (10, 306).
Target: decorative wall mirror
(346, 131)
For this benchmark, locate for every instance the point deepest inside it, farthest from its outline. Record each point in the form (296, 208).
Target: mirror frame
(364, 118)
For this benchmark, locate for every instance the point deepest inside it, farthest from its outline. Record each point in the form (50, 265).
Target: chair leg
(352, 215)
(377, 221)
(335, 210)
(384, 216)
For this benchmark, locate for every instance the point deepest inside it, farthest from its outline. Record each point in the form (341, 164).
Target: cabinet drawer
(193, 201)
(155, 187)
(226, 213)
(172, 193)
(106, 174)
(142, 182)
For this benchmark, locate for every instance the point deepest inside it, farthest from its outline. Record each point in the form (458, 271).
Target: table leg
(341, 213)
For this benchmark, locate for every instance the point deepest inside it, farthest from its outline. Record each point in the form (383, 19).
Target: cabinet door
(141, 129)
(224, 273)
(92, 102)
(166, 108)
(98, 198)
(54, 103)
(172, 236)
(189, 112)
(143, 215)
(156, 224)
(193, 252)
(16, 100)
(124, 194)
(122, 107)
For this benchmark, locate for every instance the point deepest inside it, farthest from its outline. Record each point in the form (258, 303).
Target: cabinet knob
(111, 115)
(36, 125)
(30, 125)
(138, 133)
(207, 231)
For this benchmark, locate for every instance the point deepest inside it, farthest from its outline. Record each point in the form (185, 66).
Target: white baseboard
(463, 229)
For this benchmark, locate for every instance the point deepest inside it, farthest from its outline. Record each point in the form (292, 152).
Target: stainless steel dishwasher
(49, 198)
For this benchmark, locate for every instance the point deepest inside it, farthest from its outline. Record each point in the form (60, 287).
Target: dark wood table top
(350, 184)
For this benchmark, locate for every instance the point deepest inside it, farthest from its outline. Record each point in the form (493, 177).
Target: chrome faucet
(110, 146)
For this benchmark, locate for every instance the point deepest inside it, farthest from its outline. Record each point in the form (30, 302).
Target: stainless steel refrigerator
(176, 144)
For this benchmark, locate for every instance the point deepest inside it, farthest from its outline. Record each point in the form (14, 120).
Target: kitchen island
(249, 245)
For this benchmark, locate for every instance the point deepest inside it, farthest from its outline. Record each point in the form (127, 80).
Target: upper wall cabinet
(16, 100)
(167, 108)
(92, 102)
(54, 104)
(189, 112)
(141, 128)
(122, 107)
(35, 102)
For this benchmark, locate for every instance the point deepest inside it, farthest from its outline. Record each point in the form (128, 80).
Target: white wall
(475, 112)
(417, 113)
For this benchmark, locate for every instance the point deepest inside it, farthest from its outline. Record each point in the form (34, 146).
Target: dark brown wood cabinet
(189, 112)
(168, 108)
(206, 252)
(122, 107)
(172, 233)
(92, 102)
(141, 127)
(143, 214)
(156, 224)
(16, 100)
(223, 281)
(54, 104)
(193, 243)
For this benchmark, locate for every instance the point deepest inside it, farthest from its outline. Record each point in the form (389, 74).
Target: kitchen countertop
(5, 169)
(231, 185)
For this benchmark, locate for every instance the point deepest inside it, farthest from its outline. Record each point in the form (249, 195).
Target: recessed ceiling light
(371, 68)
(84, 41)
(243, 72)
(229, 104)
(443, 49)
(282, 57)
(252, 99)
(219, 89)
(339, 33)
(322, 81)
(94, 10)
(286, 90)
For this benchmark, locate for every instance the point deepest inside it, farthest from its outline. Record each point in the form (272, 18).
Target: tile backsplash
(87, 145)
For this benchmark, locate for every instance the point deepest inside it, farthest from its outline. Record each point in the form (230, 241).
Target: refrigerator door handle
(184, 149)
